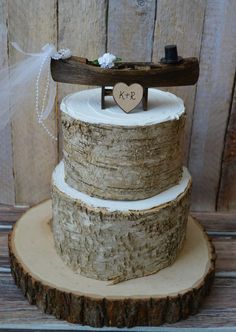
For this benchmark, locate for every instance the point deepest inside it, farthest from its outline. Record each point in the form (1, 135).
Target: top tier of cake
(113, 155)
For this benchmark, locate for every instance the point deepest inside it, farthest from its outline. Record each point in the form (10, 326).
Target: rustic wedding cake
(120, 196)
(120, 201)
(119, 214)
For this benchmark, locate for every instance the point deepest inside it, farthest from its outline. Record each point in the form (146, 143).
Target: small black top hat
(171, 55)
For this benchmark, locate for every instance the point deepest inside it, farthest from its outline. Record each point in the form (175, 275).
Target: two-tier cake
(120, 195)
(116, 247)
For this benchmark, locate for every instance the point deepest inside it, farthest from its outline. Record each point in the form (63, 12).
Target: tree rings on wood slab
(167, 296)
(116, 240)
(113, 155)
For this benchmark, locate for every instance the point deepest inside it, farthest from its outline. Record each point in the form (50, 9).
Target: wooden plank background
(133, 30)
(212, 102)
(7, 192)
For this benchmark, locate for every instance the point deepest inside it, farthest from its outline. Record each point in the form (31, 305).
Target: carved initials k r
(121, 95)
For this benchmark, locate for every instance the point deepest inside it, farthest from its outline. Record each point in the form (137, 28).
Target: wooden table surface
(217, 313)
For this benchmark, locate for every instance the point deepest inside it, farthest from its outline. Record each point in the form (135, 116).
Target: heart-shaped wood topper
(127, 96)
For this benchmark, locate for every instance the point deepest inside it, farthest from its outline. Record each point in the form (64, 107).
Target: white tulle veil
(16, 82)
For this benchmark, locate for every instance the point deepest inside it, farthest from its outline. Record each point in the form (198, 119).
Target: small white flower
(63, 53)
(107, 60)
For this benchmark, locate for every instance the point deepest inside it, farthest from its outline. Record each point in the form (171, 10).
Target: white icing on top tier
(86, 106)
(111, 205)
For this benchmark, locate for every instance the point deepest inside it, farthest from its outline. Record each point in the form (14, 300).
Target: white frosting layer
(86, 106)
(164, 197)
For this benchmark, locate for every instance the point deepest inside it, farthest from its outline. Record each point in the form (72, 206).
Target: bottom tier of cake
(118, 240)
(165, 297)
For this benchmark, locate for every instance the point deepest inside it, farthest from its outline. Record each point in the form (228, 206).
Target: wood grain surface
(217, 222)
(97, 305)
(82, 28)
(227, 189)
(130, 29)
(7, 192)
(137, 163)
(74, 71)
(174, 26)
(212, 104)
(145, 242)
(224, 245)
(218, 310)
(34, 152)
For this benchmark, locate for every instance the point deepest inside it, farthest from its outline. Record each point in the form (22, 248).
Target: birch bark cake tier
(165, 297)
(113, 155)
(118, 240)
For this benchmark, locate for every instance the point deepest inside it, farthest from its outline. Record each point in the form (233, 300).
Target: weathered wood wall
(133, 30)
(7, 192)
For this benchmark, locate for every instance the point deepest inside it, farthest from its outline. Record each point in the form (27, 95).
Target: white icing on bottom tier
(111, 205)
(86, 106)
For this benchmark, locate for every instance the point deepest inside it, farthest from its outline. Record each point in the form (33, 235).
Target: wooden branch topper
(127, 96)
(172, 70)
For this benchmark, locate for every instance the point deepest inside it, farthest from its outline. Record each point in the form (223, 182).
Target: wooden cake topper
(171, 71)
(127, 96)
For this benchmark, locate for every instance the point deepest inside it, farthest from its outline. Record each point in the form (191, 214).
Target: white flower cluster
(63, 53)
(107, 60)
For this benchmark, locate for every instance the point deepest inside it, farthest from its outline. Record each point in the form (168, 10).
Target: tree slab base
(172, 294)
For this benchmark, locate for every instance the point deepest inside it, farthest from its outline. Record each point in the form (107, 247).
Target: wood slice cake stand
(167, 296)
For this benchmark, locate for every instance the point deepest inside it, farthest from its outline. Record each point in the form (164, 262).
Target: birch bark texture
(106, 244)
(166, 297)
(117, 161)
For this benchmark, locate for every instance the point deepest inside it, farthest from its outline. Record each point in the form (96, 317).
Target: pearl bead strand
(61, 54)
(40, 114)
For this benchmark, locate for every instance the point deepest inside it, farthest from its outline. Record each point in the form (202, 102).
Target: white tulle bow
(17, 81)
